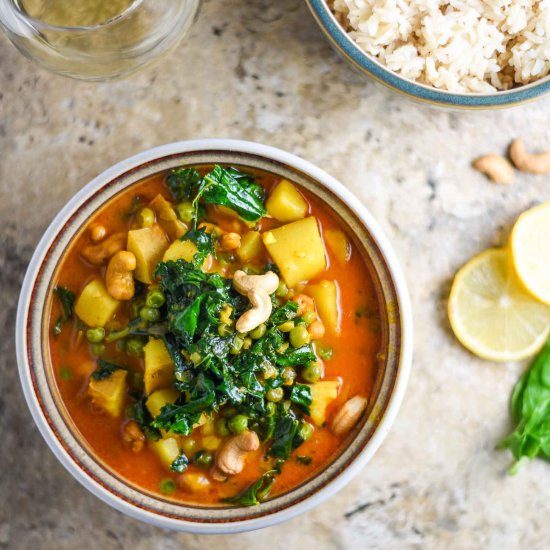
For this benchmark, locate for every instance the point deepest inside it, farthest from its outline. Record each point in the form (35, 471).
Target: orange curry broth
(353, 361)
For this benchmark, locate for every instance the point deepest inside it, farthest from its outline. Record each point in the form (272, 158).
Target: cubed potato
(338, 244)
(159, 367)
(167, 217)
(251, 246)
(297, 249)
(109, 393)
(285, 203)
(180, 250)
(211, 442)
(148, 246)
(167, 450)
(325, 295)
(322, 394)
(207, 426)
(158, 399)
(193, 482)
(95, 306)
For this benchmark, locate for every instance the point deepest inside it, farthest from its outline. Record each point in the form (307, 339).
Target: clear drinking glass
(96, 39)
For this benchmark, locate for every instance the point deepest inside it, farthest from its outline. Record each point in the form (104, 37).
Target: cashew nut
(97, 232)
(496, 168)
(97, 253)
(119, 279)
(348, 415)
(259, 312)
(230, 459)
(537, 163)
(243, 283)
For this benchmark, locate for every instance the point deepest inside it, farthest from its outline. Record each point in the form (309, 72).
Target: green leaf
(183, 182)
(203, 242)
(66, 299)
(180, 463)
(105, 369)
(297, 357)
(286, 426)
(301, 396)
(256, 493)
(232, 188)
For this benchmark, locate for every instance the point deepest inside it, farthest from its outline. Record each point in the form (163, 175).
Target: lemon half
(492, 315)
(530, 251)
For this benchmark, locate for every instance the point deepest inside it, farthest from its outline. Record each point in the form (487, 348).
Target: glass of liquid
(96, 39)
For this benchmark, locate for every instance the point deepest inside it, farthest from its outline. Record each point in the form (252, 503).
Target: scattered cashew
(348, 415)
(243, 283)
(230, 241)
(230, 458)
(496, 168)
(259, 312)
(537, 163)
(119, 279)
(133, 437)
(98, 253)
(97, 232)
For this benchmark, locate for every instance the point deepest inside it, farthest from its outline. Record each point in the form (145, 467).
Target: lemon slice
(491, 314)
(530, 249)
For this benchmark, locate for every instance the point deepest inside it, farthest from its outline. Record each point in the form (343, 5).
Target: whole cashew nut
(97, 253)
(496, 168)
(348, 415)
(119, 279)
(230, 458)
(243, 283)
(259, 312)
(538, 163)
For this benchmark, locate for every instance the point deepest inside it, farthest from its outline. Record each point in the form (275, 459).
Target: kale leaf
(184, 183)
(67, 300)
(300, 395)
(530, 405)
(295, 357)
(204, 243)
(180, 463)
(105, 369)
(256, 493)
(286, 426)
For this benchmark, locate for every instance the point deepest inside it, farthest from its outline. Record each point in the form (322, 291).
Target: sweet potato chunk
(109, 393)
(95, 306)
(159, 367)
(297, 249)
(148, 246)
(285, 203)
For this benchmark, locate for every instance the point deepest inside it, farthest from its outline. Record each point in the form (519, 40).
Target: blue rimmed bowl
(368, 65)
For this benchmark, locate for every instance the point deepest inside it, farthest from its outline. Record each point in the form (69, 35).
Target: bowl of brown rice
(459, 53)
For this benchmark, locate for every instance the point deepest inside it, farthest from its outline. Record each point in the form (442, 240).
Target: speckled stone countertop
(265, 73)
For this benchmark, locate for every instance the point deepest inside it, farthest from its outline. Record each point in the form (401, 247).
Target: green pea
(238, 423)
(155, 298)
(309, 317)
(186, 211)
(325, 353)
(95, 335)
(247, 343)
(258, 332)
(274, 395)
(204, 459)
(146, 217)
(224, 330)
(167, 486)
(282, 290)
(229, 411)
(189, 446)
(305, 431)
(134, 346)
(288, 375)
(299, 336)
(313, 372)
(238, 343)
(251, 270)
(287, 326)
(65, 373)
(221, 427)
(149, 314)
(98, 349)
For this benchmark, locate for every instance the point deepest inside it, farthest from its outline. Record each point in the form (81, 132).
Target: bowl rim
(272, 154)
(365, 63)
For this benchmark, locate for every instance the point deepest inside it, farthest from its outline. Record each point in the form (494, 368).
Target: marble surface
(261, 70)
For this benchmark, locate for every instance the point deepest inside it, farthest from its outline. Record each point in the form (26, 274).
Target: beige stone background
(261, 70)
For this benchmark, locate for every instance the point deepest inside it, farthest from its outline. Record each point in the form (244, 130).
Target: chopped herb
(301, 396)
(256, 493)
(67, 300)
(303, 459)
(183, 182)
(180, 463)
(204, 243)
(105, 369)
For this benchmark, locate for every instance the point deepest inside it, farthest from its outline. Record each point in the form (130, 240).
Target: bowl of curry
(214, 336)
